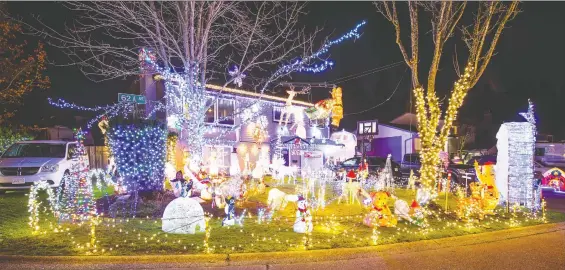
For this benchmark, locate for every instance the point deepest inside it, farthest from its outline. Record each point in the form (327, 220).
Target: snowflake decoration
(237, 76)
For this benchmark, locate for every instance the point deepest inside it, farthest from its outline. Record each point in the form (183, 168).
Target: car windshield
(412, 158)
(35, 150)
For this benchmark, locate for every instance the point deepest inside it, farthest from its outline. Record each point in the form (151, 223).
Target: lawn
(336, 226)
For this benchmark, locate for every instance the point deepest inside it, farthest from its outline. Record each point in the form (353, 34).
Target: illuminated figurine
(423, 195)
(380, 215)
(229, 220)
(337, 107)
(469, 207)
(303, 222)
(489, 195)
(181, 187)
(350, 189)
(331, 106)
(416, 213)
(413, 213)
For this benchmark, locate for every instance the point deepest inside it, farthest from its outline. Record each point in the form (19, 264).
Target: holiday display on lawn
(300, 199)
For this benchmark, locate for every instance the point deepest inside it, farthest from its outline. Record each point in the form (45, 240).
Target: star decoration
(530, 116)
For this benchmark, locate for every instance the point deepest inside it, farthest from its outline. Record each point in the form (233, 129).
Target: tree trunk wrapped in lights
(480, 37)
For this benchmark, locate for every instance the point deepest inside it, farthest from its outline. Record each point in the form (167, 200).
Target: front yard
(336, 226)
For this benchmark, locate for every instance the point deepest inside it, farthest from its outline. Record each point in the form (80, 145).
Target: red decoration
(351, 174)
(414, 204)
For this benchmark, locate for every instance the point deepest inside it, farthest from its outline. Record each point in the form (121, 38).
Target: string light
(75, 202)
(140, 154)
(432, 144)
(515, 161)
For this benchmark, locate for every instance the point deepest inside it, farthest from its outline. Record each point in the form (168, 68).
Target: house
(393, 139)
(400, 137)
(232, 134)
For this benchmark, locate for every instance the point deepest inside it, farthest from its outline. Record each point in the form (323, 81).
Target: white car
(27, 162)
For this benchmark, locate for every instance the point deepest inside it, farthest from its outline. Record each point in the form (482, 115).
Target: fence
(97, 156)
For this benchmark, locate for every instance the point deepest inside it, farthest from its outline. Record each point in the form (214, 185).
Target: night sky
(528, 64)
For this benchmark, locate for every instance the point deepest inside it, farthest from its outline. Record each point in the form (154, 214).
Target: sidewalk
(542, 245)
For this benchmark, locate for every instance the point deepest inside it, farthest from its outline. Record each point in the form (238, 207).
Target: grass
(336, 226)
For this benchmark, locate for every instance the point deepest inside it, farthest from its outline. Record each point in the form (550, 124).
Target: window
(226, 110)
(412, 159)
(350, 162)
(220, 111)
(71, 152)
(35, 150)
(540, 152)
(277, 114)
(222, 154)
(211, 112)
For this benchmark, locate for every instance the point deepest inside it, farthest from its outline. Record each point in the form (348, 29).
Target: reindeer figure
(288, 109)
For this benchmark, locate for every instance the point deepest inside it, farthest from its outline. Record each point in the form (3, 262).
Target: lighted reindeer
(289, 109)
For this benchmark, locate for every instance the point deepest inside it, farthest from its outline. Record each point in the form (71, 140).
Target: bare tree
(187, 43)
(480, 37)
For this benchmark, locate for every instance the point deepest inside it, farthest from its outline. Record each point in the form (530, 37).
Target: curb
(291, 257)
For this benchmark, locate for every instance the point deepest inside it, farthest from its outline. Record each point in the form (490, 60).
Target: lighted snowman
(303, 222)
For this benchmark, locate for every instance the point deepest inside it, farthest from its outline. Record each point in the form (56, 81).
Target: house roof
(407, 128)
(242, 92)
(410, 119)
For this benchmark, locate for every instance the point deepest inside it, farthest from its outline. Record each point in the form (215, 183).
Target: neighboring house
(236, 136)
(393, 139)
(400, 137)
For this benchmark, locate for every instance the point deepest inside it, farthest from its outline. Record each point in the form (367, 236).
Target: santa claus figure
(303, 222)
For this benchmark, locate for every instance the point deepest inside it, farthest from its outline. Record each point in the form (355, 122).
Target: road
(538, 247)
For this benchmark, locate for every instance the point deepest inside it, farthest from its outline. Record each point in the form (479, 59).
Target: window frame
(354, 159)
(280, 108)
(216, 111)
(214, 107)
